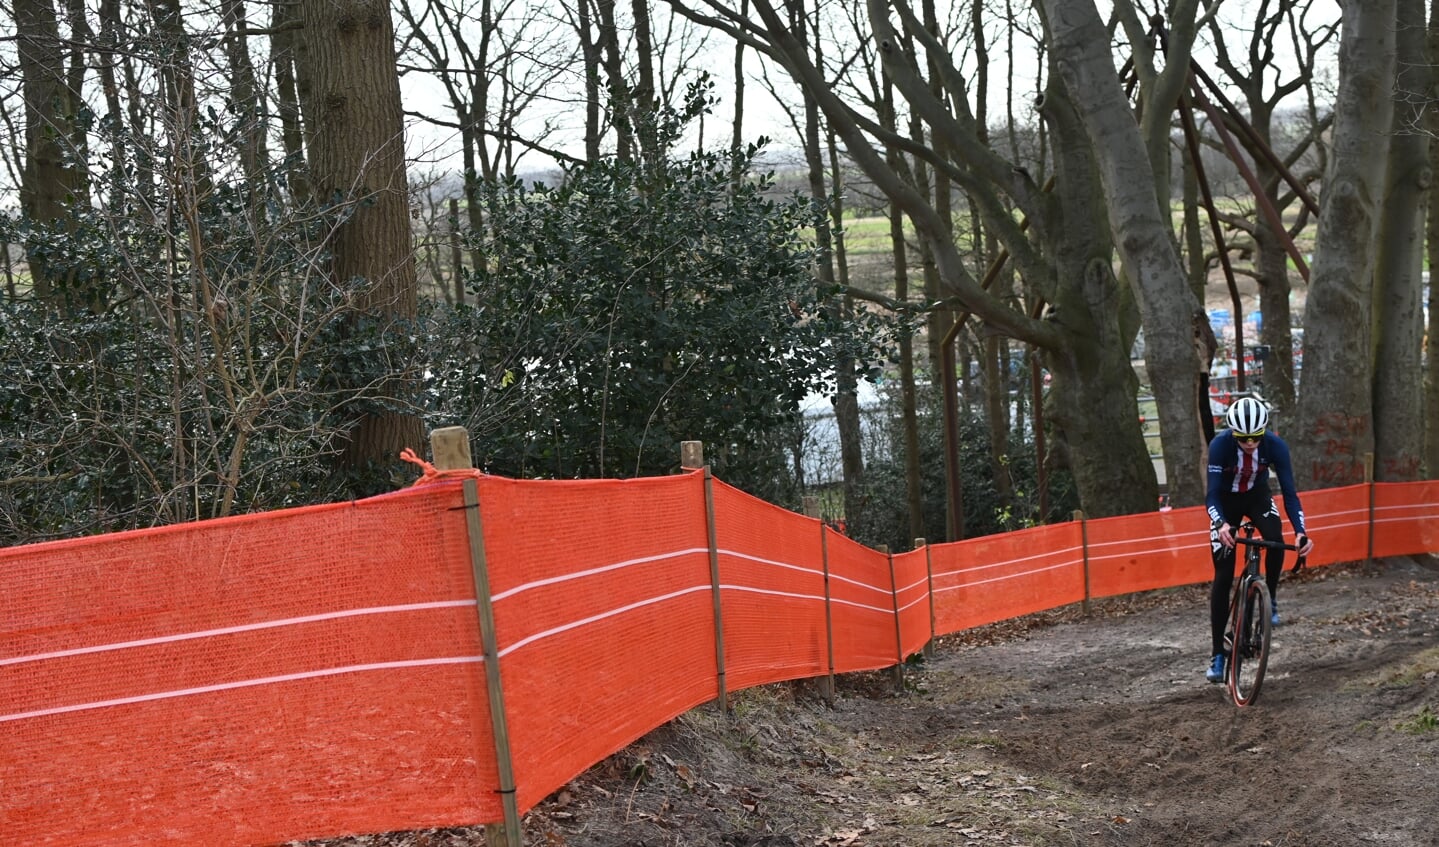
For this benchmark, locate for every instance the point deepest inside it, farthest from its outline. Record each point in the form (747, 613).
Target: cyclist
(1240, 459)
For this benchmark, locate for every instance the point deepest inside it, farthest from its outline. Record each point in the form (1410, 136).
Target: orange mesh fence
(911, 575)
(861, 606)
(1406, 518)
(244, 681)
(319, 671)
(1338, 518)
(603, 615)
(1147, 551)
(996, 577)
(771, 567)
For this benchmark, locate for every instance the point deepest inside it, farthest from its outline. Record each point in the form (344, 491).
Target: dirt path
(1059, 729)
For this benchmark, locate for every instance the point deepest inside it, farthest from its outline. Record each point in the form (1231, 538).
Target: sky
(764, 115)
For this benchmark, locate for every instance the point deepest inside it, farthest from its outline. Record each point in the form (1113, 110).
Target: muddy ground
(1063, 728)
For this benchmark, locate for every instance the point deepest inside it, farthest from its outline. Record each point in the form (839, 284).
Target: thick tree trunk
(1335, 428)
(1082, 58)
(1431, 237)
(1093, 394)
(350, 93)
(1398, 378)
(52, 182)
(1107, 454)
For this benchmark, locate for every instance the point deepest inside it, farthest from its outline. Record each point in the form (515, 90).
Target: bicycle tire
(1249, 653)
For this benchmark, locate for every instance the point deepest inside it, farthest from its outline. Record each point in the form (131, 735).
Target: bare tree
(1066, 259)
(499, 65)
(1300, 151)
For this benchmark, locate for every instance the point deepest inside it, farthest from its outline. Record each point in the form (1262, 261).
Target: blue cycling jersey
(1225, 464)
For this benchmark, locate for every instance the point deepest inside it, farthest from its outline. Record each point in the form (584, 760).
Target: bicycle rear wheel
(1249, 654)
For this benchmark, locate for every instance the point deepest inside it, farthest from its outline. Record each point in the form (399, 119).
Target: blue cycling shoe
(1274, 613)
(1216, 669)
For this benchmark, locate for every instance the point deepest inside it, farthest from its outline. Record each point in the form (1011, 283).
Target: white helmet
(1247, 416)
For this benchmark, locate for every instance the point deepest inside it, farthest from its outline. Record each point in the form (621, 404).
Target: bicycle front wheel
(1249, 653)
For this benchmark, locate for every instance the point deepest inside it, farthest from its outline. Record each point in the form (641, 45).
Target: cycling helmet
(1247, 416)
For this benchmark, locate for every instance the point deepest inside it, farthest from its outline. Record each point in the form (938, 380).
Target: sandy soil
(1063, 728)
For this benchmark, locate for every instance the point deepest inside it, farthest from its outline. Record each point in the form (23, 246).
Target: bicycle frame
(1249, 623)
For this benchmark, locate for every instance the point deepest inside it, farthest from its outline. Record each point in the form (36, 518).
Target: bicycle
(1249, 625)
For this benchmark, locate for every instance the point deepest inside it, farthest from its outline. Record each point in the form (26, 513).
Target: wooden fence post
(450, 448)
(897, 672)
(929, 579)
(692, 457)
(826, 684)
(1369, 480)
(1084, 542)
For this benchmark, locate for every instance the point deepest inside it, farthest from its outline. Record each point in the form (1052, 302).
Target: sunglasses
(1249, 436)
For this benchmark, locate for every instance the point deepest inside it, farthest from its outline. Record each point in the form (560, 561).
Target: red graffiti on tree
(1338, 463)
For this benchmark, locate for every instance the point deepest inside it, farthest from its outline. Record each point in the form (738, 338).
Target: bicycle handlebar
(1260, 542)
(1248, 529)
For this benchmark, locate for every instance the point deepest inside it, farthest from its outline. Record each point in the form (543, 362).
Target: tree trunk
(643, 97)
(53, 183)
(283, 44)
(1336, 419)
(996, 408)
(737, 139)
(1271, 264)
(1398, 378)
(847, 413)
(909, 394)
(1082, 59)
(1431, 229)
(121, 151)
(620, 104)
(350, 92)
(1092, 402)
(591, 50)
(1271, 260)
(845, 400)
(191, 180)
(245, 96)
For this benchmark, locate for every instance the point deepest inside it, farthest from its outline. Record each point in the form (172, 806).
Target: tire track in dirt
(1118, 710)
